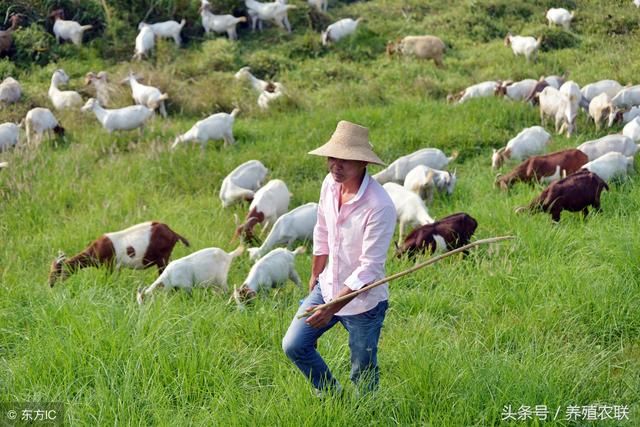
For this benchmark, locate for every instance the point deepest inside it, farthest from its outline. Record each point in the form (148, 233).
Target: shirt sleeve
(320, 232)
(375, 244)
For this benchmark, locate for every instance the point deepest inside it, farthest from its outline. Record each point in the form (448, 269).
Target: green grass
(552, 318)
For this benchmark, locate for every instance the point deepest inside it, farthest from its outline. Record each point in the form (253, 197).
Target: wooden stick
(404, 273)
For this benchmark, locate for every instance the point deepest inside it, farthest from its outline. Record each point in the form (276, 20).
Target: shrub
(554, 38)
(34, 45)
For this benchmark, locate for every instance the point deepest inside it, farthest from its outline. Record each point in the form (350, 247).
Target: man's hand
(320, 318)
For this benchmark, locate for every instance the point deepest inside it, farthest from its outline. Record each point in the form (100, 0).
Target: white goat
(39, 121)
(149, 96)
(517, 91)
(269, 203)
(399, 168)
(257, 84)
(242, 182)
(569, 107)
(100, 83)
(321, 5)
(166, 29)
(216, 126)
(628, 97)
(272, 269)
(219, 23)
(9, 133)
(560, 16)
(295, 225)
(610, 87)
(624, 116)
(68, 30)
(410, 208)
(204, 268)
(527, 46)
(10, 91)
(275, 12)
(127, 118)
(610, 143)
(599, 109)
(145, 42)
(632, 129)
(551, 103)
(63, 99)
(528, 142)
(479, 90)
(339, 30)
(611, 165)
(273, 92)
(422, 180)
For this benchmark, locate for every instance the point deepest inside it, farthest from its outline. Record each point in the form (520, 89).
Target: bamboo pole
(405, 272)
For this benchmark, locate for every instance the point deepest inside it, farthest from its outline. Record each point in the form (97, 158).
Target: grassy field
(552, 318)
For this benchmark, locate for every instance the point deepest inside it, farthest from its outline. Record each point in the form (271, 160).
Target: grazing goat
(410, 209)
(166, 29)
(623, 116)
(140, 246)
(63, 99)
(628, 97)
(574, 193)
(149, 96)
(274, 268)
(127, 118)
(219, 23)
(216, 126)
(422, 47)
(39, 121)
(242, 182)
(528, 142)
(145, 42)
(100, 83)
(610, 87)
(422, 180)
(268, 204)
(6, 36)
(275, 12)
(632, 129)
(547, 168)
(559, 16)
(257, 84)
(295, 225)
(9, 133)
(204, 268)
(273, 92)
(517, 91)
(569, 106)
(601, 146)
(527, 46)
(599, 109)
(479, 90)
(451, 232)
(399, 168)
(339, 30)
(67, 30)
(10, 91)
(611, 165)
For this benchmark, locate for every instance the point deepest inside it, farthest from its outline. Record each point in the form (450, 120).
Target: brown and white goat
(550, 167)
(449, 233)
(574, 193)
(268, 204)
(141, 246)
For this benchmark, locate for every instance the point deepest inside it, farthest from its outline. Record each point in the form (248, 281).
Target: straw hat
(349, 142)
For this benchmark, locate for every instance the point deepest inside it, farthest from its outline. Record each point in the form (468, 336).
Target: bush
(34, 45)
(553, 39)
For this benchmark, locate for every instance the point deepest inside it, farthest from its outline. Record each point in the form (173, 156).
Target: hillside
(552, 318)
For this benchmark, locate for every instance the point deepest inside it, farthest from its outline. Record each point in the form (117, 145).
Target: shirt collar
(363, 187)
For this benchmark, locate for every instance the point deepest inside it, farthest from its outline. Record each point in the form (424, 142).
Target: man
(356, 220)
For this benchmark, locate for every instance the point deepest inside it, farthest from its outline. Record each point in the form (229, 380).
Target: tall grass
(551, 318)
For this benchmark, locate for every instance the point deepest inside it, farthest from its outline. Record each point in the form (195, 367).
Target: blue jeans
(299, 344)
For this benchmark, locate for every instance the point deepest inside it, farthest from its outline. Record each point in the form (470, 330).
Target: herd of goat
(576, 177)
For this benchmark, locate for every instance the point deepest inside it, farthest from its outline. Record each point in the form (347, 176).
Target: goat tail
(86, 27)
(538, 42)
(299, 250)
(235, 112)
(237, 252)
(242, 19)
(182, 22)
(454, 155)
(183, 240)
